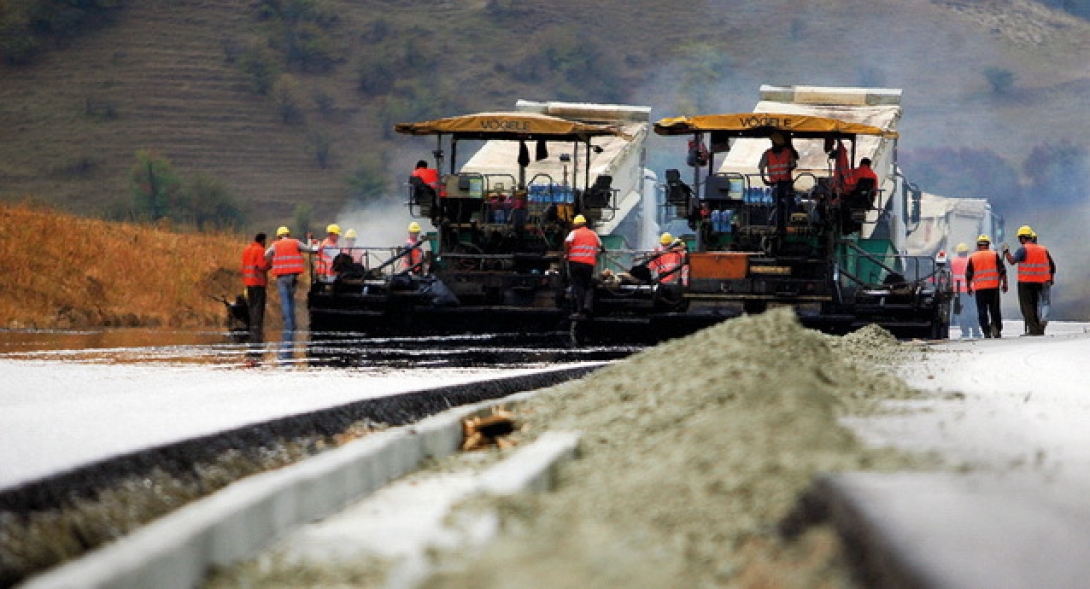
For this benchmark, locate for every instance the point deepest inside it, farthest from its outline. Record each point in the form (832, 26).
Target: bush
(211, 205)
(320, 143)
(977, 173)
(376, 72)
(25, 26)
(1056, 172)
(1000, 79)
(368, 179)
(300, 220)
(259, 65)
(288, 94)
(157, 188)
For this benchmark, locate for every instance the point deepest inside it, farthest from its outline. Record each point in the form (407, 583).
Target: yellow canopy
(763, 124)
(508, 125)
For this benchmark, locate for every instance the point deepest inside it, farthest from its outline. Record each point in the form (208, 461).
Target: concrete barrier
(176, 551)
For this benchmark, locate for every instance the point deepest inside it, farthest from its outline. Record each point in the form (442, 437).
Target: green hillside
(176, 78)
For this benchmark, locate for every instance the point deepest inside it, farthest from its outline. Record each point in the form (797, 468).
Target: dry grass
(63, 271)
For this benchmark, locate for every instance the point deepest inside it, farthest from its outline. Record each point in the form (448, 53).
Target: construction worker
(985, 275)
(1036, 270)
(776, 167)
(581, 249)
(254, 276)
(668, 260)
(358, 255)
(412, 256)
(1044, 304)
(327, 250)
(285, 257)
(430, 176)
(863, 171)
(965, 312)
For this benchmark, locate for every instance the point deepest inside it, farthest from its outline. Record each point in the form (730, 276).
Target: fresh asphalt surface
(1008, 417)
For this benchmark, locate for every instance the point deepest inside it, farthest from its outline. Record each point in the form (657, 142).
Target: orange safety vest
(779, 165)
(584, 246)
(287, 259)
(253, 265)
(325, 259)
(416, 256)
(1035, 267)
(957, 270)
(985, 270)
(667, 262)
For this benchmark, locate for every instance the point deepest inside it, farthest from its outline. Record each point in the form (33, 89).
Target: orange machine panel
(722, 265)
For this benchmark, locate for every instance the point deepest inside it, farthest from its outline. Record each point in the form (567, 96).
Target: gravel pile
(693, 454)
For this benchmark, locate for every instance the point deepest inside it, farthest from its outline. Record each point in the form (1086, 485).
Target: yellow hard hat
(333, 228)
(579, 220)
(350, 234)
(414, 227)
(282, 231)
(1025, 231)
(983, 239)
(961, 248)
(666, 238)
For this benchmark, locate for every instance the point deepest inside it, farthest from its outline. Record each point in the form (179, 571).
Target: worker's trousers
(255, 299)
(1029, 297)
(285, 286)
(989, 312)
(582, 287)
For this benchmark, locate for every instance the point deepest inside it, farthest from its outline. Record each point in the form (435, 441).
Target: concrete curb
(941, 530)
(176, 551)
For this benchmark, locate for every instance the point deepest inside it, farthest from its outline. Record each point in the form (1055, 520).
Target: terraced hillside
(158, 80)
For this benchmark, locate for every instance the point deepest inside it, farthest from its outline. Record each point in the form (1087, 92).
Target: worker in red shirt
(254, 278)
(430, 176)
(863, 171)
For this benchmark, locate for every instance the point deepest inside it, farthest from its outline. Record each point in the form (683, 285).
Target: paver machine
(498, 223)
(833, 251)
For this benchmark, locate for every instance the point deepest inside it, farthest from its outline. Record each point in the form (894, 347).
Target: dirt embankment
(67, 272)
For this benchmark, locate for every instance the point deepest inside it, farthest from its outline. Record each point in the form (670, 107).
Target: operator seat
(856, 204)
(422, 195)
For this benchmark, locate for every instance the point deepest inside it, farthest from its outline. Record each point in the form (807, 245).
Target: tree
(157, 189)
(301, 218)
(1000, 79)
(368, 180)
(321, 142)
(288, 94)
(1056, 172)
(259, 64)
(976, 173)
(211, 205)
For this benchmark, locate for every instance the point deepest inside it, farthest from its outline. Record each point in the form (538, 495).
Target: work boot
(995, 331)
